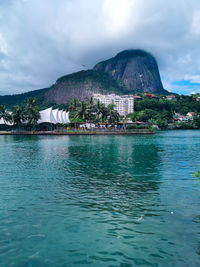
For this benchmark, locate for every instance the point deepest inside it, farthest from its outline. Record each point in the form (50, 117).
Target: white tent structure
(45, 116)
(60, 116)
(49, 115)
(66, 116)
(6, 122)
(2, 121)
(53, 116)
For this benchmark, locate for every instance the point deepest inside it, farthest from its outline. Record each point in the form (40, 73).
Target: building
(190, 115)
(49, 115)
(171, 97)
(137, 97)
(124, 104)
(53, 116)
(150, 96)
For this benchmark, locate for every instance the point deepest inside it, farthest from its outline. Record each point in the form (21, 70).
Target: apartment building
(124, 104)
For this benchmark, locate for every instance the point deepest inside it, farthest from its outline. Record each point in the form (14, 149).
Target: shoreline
(138, 132)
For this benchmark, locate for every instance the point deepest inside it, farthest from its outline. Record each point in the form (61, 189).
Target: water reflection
(108, 175)
(103, 201)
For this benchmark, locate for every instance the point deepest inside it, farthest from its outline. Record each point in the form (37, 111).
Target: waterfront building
(49, 115)
(123, 104)
(54, 116)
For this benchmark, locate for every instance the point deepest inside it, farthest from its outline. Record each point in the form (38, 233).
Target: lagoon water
(100, 200)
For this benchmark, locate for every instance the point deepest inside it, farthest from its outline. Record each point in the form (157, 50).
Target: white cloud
(193, 78)
(41, 40)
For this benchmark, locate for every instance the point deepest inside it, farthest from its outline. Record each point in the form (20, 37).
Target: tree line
(92, 111)
(152, 111)
(80, 111)
(27, 114)
(161, 111)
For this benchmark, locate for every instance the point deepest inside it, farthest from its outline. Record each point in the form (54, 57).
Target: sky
(41, 40)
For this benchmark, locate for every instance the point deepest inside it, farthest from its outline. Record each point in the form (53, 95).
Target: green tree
(101, 112)
(197, 121)
(74, 104)
(82, 111)
(18, 115)
(112, 115)
(5, 115)
(31, 112)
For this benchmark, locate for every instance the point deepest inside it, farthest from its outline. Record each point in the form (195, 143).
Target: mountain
(137, 70)
(130, 71)
(18, 99)
(81, 85)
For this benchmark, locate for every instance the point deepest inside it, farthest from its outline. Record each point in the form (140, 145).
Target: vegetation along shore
(93, 117)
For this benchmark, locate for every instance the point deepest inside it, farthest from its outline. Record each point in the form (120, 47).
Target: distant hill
(130, 71)
(11, 100)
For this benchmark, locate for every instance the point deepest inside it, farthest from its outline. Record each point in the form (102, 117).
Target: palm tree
(32, 113)
(5, 115)
(74, 104)
(91, 101)
(82, 112)
(101, 112)
(18, 115)
(113, 115)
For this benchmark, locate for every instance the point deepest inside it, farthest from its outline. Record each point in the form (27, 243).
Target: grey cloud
(42, 40)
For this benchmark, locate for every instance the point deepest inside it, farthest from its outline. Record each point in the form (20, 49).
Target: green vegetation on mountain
(11, 100)
(107, 84)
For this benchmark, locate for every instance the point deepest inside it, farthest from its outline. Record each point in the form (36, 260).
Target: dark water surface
(100, 200)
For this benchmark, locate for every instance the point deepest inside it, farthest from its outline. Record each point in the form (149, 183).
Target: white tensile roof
(59, 120)
(7, 123)
(63, 116)
(2, 121)
(45, 116)
(66, 117)
(53, 116)
(49, 115)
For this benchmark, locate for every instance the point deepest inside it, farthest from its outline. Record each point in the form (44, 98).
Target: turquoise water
(100, 200)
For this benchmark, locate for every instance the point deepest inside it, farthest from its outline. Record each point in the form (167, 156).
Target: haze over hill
(130, 71)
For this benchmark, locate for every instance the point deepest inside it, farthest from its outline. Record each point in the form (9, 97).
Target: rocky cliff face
(128, 72)
(82, 85)
(137, 70)
(62, 92)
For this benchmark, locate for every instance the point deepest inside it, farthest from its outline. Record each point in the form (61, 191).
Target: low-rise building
(190, 115)
(147, 95)
(137, 97)
(123, 104)
(171, 97)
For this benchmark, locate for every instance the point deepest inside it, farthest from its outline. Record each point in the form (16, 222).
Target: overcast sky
(41, 40)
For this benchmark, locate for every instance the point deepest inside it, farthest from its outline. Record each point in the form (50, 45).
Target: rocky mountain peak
(136, 69)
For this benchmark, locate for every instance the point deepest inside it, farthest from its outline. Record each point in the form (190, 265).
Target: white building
(124, 104)
(49, 115)
(54, 116)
